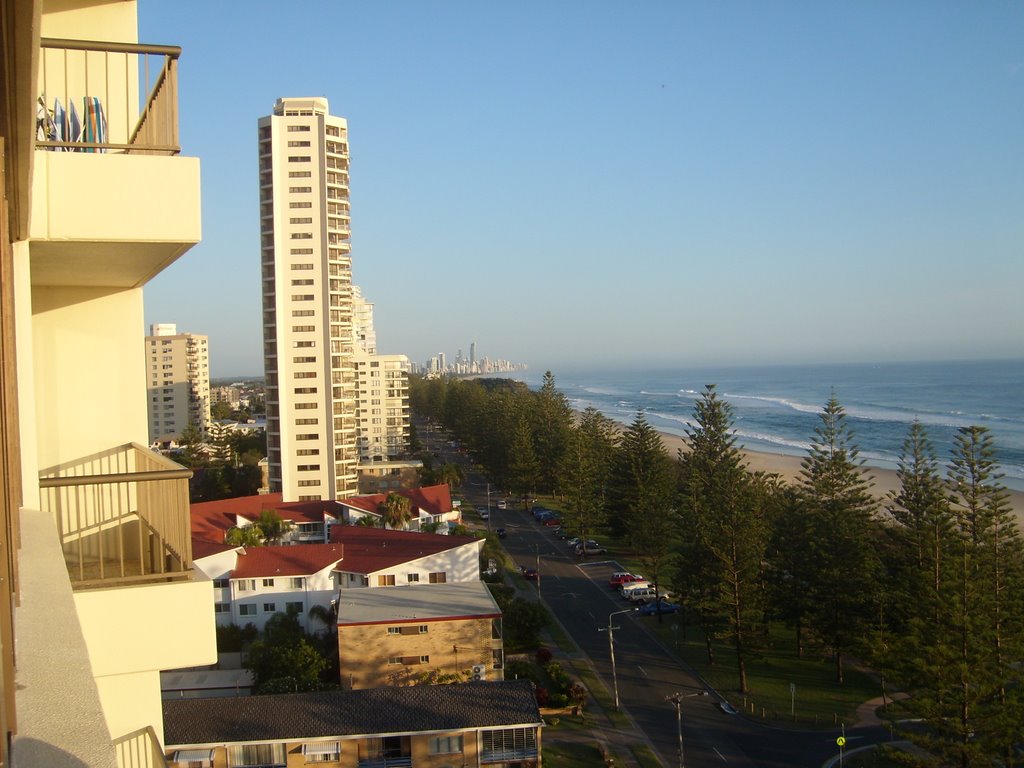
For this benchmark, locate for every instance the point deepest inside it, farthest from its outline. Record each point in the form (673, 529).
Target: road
(647, 672)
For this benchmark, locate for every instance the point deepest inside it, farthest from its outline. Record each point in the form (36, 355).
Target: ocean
(776, 407)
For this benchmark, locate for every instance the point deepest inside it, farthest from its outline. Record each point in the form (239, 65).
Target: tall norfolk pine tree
(725, 527)
(844, 568)
(585, 469)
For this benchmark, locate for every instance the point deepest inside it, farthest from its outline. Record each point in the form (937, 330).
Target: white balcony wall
(89, 371)
(134, 633)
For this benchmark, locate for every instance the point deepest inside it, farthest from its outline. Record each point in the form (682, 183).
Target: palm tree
(449, 473)
(367, 521)
(245, 536)
(396, 510)
(274, 528)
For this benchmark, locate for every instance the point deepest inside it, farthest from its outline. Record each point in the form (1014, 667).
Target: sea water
(776, 408)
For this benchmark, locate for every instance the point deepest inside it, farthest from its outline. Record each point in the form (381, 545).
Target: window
(305, 343)
(305, 374)
(299, 174)
(247, 609)
(386, 581)
(246, 585)
(303, 312)
(413, 578)
(519, 742)
(298, 143)
(268, 582)
(300, 220)
(440, 577)
(300, 190)
(297, 582)
(298, 158)
(298, 128)
(270, 607)
(302, 297)
(293, 606)
(322, 752)
(221, 608)
(445, 745)
(221, 583)
(308, 483)
(306, 406)
(256, 755)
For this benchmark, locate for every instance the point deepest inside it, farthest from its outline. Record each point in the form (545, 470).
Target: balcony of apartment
(114, 203)
(122, 517)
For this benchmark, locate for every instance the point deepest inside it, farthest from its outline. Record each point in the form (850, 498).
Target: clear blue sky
(670, 183)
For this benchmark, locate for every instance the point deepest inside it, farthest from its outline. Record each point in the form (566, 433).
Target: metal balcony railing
(127, 95)
(122, 516)
(385, 762)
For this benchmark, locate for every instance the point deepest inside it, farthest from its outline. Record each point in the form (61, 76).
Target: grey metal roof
(418, 602)
(345, 714)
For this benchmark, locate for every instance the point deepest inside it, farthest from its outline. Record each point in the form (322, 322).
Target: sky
(589, 184)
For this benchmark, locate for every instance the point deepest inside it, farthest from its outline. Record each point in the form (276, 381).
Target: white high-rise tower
(307, 301)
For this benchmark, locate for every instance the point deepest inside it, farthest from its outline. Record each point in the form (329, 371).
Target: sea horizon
(777, 406)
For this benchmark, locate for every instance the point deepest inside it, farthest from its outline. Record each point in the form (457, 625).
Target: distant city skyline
(662, 184)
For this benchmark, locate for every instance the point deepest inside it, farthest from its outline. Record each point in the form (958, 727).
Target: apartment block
(426, 726)
(177, 382)
(94, 541)
(307, 301)
(401, 635)
(382, 410)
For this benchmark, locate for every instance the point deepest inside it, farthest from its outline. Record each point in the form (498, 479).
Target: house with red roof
(251, 584)
(311, 521)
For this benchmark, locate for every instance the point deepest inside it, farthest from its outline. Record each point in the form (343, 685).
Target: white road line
(642, 670)
(719, 754)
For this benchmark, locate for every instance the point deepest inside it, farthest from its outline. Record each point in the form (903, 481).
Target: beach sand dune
(884, 481)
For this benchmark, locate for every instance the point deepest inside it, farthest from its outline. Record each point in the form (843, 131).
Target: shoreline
(787, 466)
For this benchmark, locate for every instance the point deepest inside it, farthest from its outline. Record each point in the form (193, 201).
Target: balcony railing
(122, 516)
(127, 94)
(386, 762)
(140, 749)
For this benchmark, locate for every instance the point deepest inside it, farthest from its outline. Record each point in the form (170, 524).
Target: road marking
(719, 754)
(642, 670)
(592, 617)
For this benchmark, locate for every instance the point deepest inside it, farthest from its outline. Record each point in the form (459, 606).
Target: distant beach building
(308, 333)
(177, 382)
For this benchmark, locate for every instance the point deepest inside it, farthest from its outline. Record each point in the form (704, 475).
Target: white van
(643, 595)
(626, 589)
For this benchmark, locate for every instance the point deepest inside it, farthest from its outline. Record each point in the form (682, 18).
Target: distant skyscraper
(472, 354)
(442, 363)
(308, 335)
(362, 322)
(177, 382)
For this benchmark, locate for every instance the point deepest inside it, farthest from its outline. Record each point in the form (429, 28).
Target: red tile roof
(368, 550)
(298, 560)
(212, 519)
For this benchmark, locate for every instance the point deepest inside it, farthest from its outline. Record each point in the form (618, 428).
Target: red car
(622, 577)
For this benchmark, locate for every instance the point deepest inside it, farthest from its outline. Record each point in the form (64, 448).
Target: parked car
(501, 533)
(573, 542)
(651, 608)
(552, 520)
(623, 577)
(502, 504)
(591, 547)
(528, 573)
(625, 589)
(492, 567)
(540, 514)
(484, 514)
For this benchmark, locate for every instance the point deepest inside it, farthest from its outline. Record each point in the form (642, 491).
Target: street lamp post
(677, 700)
(611, 649)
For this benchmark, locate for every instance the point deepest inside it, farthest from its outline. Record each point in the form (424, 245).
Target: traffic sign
(841, 741)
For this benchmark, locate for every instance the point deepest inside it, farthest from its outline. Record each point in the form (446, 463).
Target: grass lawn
(645, 756)
(571, 754)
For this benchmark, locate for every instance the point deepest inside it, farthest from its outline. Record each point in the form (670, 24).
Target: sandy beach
(788, 467)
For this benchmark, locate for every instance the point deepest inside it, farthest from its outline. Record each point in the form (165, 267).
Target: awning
(190, 755)
(322, 749)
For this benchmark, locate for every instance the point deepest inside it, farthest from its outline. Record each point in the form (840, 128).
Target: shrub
(543, 655)
(558, 700)
(542, 696)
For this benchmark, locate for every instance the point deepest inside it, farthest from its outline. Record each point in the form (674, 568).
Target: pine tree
(523, 467)
(552, 423)
(844, 569)
(585, 469)
(726, 527)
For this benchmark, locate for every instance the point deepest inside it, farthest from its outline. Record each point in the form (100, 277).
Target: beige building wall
(382, 388)
(307, 301)
(374, 655)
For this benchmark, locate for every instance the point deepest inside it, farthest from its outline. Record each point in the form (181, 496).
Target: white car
(502, 504)
(484, 514)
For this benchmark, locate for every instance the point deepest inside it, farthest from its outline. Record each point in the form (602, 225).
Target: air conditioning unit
(479, 672)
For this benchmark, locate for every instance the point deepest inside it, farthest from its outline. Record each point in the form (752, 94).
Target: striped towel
(74, 125)
(95, 127)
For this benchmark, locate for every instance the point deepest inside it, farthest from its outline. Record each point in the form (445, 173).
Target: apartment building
(382, 410)
(307, 301)
(401, 635)
(94, 540)
(426, 726)
(177, 382)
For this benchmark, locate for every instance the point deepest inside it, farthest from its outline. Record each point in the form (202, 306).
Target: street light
(677, 699)
(611, 649)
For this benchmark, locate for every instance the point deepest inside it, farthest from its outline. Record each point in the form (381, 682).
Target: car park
(652, 608)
